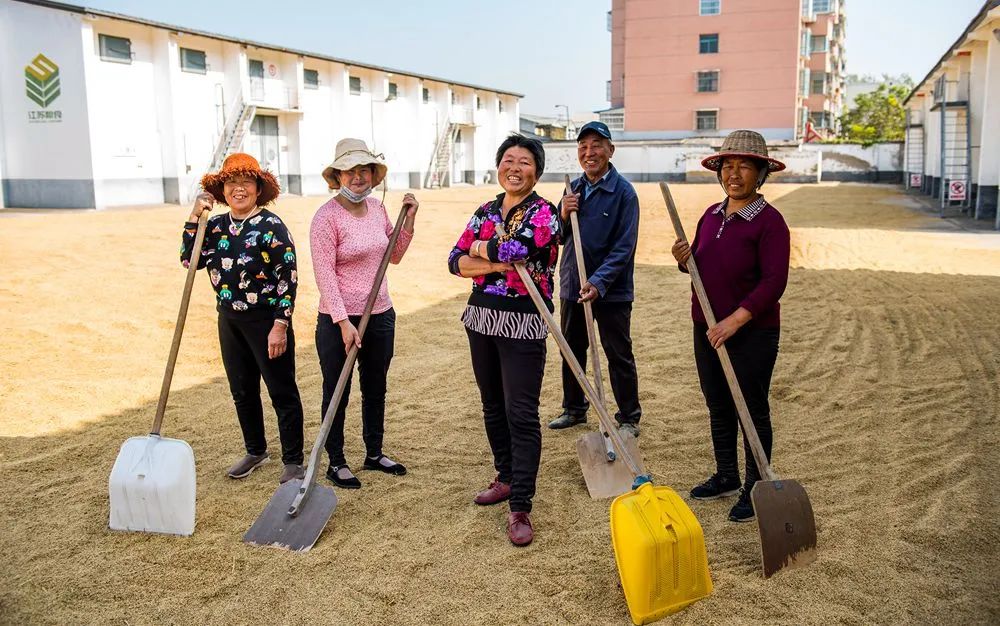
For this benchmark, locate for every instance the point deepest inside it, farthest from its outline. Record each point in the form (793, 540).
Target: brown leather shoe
(290, 472)
(243, 467)
(496, 492)
(519, 528)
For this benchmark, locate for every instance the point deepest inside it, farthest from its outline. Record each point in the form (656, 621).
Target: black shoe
(566, 420)
(716, 487)
(396, 469)
(742, 511)
(345, 483)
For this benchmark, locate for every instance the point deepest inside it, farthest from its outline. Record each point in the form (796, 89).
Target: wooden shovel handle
(727, 366)
(345, 374)
(588, 310)
(175, 345)
(581, 378)
(588, 314)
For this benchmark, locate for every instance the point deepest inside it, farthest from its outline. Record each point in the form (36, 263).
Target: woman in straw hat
(349, 235)
(742, 249)
(250, 258)
(506, 332)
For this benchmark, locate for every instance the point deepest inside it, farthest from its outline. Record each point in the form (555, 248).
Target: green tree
(876, 116)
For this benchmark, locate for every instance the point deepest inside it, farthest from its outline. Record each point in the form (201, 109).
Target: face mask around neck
(356, 198)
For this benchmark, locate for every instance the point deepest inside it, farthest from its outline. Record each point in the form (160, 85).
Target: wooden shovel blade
(605, 479)
(276, 528)
(786, 525)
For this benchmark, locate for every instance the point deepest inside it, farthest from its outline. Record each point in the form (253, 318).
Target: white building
(99, 109)
(953, 122)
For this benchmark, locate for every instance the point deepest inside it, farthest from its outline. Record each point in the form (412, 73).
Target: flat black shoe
(717, 487)
(396, 469)
(742, 511)
(350, 483)
(566, 420)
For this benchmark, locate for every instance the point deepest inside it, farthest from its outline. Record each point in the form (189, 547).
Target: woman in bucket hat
(349, 235)
(742, 248)
(250, 257)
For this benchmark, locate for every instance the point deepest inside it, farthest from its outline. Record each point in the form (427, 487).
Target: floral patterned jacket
(252, 267)
(533, 231)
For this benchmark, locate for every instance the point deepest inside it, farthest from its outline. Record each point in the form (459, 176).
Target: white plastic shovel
(152, 484)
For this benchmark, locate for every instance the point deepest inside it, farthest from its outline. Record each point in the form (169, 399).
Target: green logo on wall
(42, 80)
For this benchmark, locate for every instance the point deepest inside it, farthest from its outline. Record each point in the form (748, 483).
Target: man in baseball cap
(608, 211)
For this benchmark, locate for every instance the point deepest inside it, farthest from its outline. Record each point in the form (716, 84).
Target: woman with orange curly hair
(250, 258)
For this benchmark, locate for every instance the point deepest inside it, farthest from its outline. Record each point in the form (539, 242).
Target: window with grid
(354, 85)
(817, 43)
(479, 103)
(393, 91)
(818, 83)
(310, 79)
(193, 61)
(706, 120)
(819, 119)
(426, 94)
(806, 43)
(804, 81)
(115, 49)
(708, 81)
(708, 44)
(454, 98)
(499, 105)
(709, 7)
(822, 6)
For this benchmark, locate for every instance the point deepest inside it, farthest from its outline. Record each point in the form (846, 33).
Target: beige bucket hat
(351, 153)
(742, 143)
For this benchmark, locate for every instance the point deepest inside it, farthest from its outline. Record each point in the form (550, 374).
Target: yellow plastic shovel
(659, 544)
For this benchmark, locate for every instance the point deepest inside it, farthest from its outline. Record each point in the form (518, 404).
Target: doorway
(262, 142)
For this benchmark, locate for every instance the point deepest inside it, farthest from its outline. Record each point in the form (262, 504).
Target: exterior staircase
(439, 171)
(235, 132)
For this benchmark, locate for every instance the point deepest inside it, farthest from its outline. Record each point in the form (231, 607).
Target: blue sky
(554, 52)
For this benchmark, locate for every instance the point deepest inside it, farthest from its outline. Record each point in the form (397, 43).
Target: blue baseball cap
(598, 127)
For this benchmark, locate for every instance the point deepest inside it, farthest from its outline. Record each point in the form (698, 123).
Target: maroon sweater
(743, 262)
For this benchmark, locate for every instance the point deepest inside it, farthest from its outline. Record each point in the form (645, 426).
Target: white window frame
(701, 41)
(192, 70)
(716, 3)
(305, 83)
(697, 79)
(697, 111)
(102, 48)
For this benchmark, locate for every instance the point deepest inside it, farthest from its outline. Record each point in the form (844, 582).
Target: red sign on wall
(916, 180)
(957, 190)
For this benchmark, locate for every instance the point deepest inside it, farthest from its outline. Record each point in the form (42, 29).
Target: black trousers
(614, 323)
(753, 352)
(373, 370)
(509, 374)
(244, 354)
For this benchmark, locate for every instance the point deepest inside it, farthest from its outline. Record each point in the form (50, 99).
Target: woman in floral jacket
(506, 332)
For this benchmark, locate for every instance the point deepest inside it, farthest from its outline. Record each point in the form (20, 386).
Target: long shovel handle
(175, 345)
(574, 365)
(727, 366)
(588, 314)
(345, 374)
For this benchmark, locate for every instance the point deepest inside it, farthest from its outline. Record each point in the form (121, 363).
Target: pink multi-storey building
(690, 68)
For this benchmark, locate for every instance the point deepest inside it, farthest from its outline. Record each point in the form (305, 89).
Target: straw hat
(241, 164)
(351, 153)
(742, 143)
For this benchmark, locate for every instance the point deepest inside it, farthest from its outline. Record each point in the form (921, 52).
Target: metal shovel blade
(786, 524)
(276, 528)
(604, 478)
